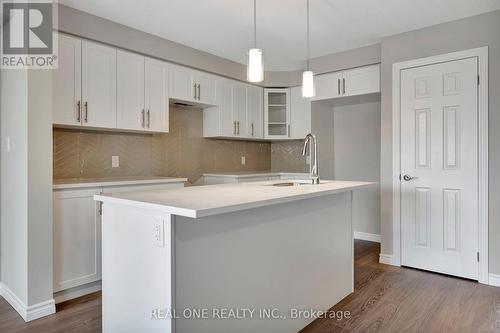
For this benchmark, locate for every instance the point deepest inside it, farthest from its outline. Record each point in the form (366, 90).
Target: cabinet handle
(234, 127)
(142, 118)
(99, 210)
(252, 129)
(238, 123)
(195, 91)
(149, 119)
(86, 112)
(79, 111)
(343, 81)
(199, 91)
(338, 86)
(288, 130)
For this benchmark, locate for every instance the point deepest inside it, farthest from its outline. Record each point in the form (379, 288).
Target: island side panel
(136, 270)
(297, 255)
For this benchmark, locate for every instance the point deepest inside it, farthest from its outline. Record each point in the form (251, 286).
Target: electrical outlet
(158, 238)
(115, 161)
(308, 160)
(243, 160)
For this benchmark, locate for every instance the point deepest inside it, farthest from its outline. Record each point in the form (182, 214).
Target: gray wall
(26, 184)
(357, 156)
(322, 127)
(477, 31)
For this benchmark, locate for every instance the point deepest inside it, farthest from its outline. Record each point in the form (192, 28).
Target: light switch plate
(115, 161)
(243, 160)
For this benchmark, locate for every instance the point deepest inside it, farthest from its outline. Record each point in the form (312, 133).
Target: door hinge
(478, 257)
(478, 80)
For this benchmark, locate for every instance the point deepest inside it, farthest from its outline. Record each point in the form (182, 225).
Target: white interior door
(439, 205)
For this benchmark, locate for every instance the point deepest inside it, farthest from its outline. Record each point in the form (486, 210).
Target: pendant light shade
(308, 90)
(308, 84)
(255, 68)
(255, 64)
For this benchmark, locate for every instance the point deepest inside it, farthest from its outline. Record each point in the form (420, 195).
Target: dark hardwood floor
(386, 299)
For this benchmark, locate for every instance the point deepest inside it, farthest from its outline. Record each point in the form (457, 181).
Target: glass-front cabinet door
(277, 113)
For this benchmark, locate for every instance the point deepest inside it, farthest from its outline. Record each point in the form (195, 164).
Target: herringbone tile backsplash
(181, 153)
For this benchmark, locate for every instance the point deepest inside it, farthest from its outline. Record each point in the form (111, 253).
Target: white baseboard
(28, 313)
(367, 236)
(494, 280)
(387, 259)
(76, 292)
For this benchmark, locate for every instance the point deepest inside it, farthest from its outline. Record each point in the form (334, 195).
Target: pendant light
(308, 76)
(255, 66)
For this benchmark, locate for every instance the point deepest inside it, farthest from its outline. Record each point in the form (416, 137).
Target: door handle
(409, 178)
(79, 111)
(86, 112)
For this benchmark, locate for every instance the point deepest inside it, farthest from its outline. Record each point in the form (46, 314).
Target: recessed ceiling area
(225, 27)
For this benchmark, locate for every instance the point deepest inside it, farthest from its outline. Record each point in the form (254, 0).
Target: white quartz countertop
(200, 201)
(250, 174)
(69, 183)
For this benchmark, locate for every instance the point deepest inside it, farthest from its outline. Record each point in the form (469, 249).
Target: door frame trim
(482, 55)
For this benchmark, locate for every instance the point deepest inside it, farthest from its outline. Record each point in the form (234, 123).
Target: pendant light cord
(308, 42)
(255, 23)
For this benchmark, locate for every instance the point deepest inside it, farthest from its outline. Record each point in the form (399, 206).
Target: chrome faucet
(313, 164)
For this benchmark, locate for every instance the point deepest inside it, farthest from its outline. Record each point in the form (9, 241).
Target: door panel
(439, 209)
(98, 85)
(207, 89)
(67, 82)
(157, 95)
(255, 112)
(359, 81)
(77, 238)
(328, 86)
(130, 90)
(181, 83)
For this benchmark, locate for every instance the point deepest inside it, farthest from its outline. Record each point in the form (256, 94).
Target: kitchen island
(247, 257)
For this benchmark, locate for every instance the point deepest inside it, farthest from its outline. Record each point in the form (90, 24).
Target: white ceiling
(225, 27)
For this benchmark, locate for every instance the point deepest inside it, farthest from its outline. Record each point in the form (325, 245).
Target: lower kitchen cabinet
(77, 233)
(77, 238)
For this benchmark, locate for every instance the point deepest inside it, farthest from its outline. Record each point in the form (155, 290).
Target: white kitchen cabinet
(77, 238)
(156, 98)
(130, 91)
(98, 85)
(77, 232)
(357, 81)
(255, 112)
(360, 81)
(181, 84)
(206, 87)
(327, 86)
(300, 114)
(277, 113)
(240, 109)
(67, 88)
(192, 86)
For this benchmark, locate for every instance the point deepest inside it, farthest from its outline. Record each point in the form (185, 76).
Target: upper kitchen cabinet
(193, 86)
(142, 94)
(255, 112)
(98, 85)
(358, 81)
(327, 86)
(277, 113)
(130, 91)
(156, 96)
(68, 82)
(300, 114)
